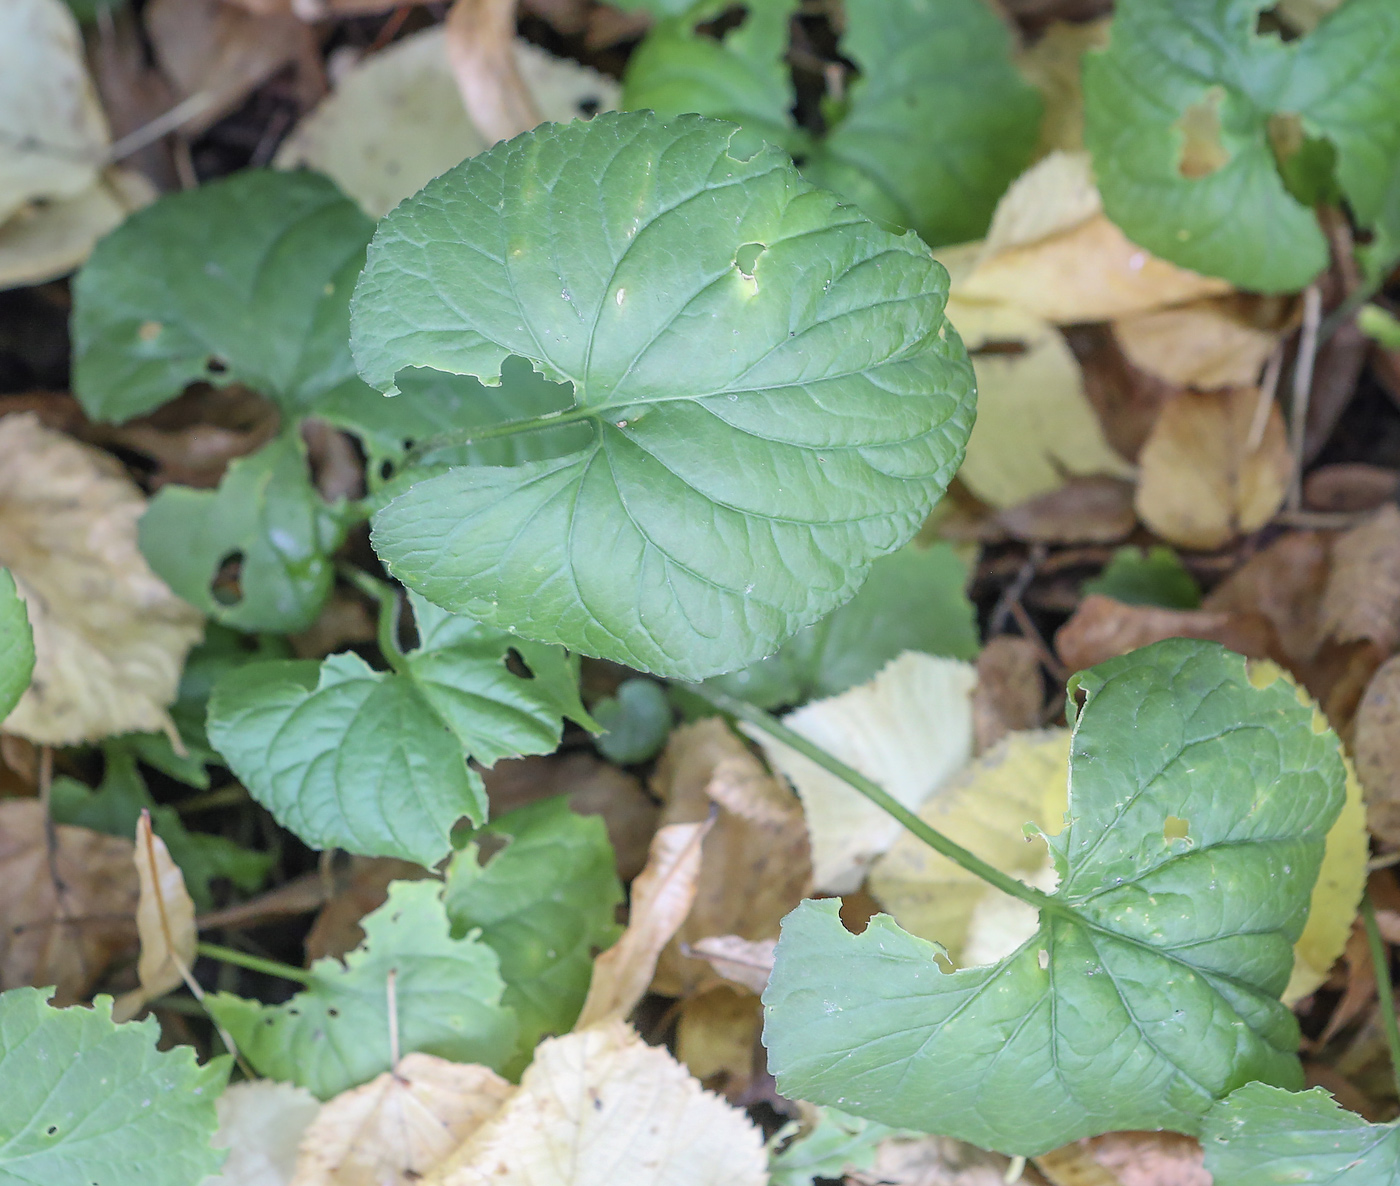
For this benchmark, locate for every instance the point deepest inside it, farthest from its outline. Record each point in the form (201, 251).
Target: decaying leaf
(1127, 1159)
(909, 729)
(164, 922)
(717, 1037)
(1092, 510)
(1009, 693)
(1285, 583)
(1377, 746)
(260, 1124)
(661, 898)
(931, 1161)
(395, 121)
(67, 915)
(362, 886)
(1035, 424)
(1215, 342)
(1350, 486)
(756, 863)
(479, 38)
(1052, 252)
(1102, 628)
(392, 1130)
(1052, 65)
(1362, 598)
(746, 962)
(1205, 476)
(110, 639)
(601, 1108)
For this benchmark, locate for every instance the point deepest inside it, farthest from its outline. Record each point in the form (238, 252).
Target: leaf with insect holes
(1261, 1136)
(1198, 123)
(337, 1032)
(375, 762)
(1198, 811)
(16, 645)
(772, 395)
(245, 280)
(100, 1105)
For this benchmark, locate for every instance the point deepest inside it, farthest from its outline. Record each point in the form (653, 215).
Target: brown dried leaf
(1350, 487)
(1009, 694)
(745, 962)
(164, 922)
(1362, 600)
(601, 1108)
(110, 638)
(661, 898)
(756, 864)
(1087, 510)
(1053, 65)
(1376, 743)
(360, 888)
(395, 1128)
(1284, 582)
(1103, 628)
(931, 1161)
(717, 1038)
(1209, 343)
(1360, 988)
(1126, 399)
(480, 40)
(1203, 481)
(1127, 1159)
(64, 934)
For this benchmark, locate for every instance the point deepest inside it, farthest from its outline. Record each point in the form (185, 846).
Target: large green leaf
(913, 601)
(545, 904)
(336, 1033)
(1261, 1136)
(375, 761)
(1194, 76)
(1198, 809)
(16, 645)
(267, 513)
(244, 280)
(773, 394)
(87, 1102)
(933, 130)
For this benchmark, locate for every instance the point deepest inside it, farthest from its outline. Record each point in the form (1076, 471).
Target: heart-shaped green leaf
(91, 1103)
(1199, 805)
(336, 1033)
(375, 761)
(773, 395)
(16, 645)
(1261, 1136)
(1197, 122)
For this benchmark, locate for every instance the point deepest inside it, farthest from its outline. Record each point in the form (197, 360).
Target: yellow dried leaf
(1053, 65)
(602, 1108)
(909, 729)
(394, 1129)
(1035, 425)
(661, 898)
(1203, 480)
(110, 639)
(261, 1124)
(1204, 344)
(717, 1035)
(164, 921)
(745, 962)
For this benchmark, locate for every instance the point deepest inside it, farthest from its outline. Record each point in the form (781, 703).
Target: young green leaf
(1193, 119)
(1199, 805)
(245, 280)
(1152, 577)
(375, 761)
(915, 600)
(545, 904)
(1261, 1136)
(265, 511)
(16, 645)
(773, 395)
(636, 722)
(92, 1103)
(336, 1033)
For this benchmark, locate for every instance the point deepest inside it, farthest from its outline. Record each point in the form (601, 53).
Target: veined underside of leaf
(773, 396)
(1199, 804)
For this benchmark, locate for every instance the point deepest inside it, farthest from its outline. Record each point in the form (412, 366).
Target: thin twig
(1380, 959)
(1268, 388)
(1302, 391)
(1058, 672)
(165, 123)
(1016, 589)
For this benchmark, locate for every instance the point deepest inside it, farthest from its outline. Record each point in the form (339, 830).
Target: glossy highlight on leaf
(1151, 986)
(757, 439)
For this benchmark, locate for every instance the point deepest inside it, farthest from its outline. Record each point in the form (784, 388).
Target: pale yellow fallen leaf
(1053, 196)
(393, 1129)
(261, 1124)
(110, 638)
(1035, 425)
(164, 921)
(662, 896)
(396, 121)
(601, 1108)
(1205, 475)
(909, 729)
(746, 962)
(1053, 66)
(1204, 344)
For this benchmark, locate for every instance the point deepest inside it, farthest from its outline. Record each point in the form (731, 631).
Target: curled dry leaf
(1377, 746)
(909, 729)
(1103, 628)
(1362, 599)
(392, 1130)
(661, 898)
(164, 923)
(756, 864)
(480, 34)
(1284, 582)
(1092, 510)
(260, 1124)
(601, 1108)
(1009, 694)
(1350, 487)
(1216, 342)
(717, 1038)
(67, 915)
(1206, 476)
(745, 962)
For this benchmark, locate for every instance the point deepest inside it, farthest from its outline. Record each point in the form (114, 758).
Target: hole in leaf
(589, 107)
(386, 470)
(225, 587)
(52, 1130)
(216, 366)
(1202, 150)
(1043, 959)
(332, 1011)
(727, 21)
(747, 257)
(1175, 829)
(516, 665)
